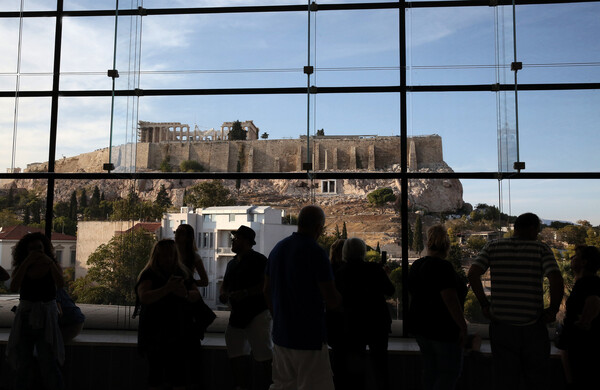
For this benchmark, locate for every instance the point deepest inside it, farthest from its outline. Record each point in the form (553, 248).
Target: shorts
(256, 337)
(298, 369)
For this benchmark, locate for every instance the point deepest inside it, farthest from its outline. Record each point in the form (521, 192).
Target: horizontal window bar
(286, 8)
(313, 90)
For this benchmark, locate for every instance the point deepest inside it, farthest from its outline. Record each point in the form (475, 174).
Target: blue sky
(557, 44)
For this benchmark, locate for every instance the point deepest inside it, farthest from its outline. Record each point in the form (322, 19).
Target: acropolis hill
(175, 142)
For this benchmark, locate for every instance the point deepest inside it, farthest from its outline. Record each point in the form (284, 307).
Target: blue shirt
(296, 266)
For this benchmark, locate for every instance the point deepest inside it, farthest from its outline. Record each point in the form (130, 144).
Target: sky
(559, 130)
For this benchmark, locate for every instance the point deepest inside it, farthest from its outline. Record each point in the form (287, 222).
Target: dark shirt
(166, 322)
(428, 315)
(572, 336)
(296, 266)
(38, 290)
(244, 274)
(364, 287)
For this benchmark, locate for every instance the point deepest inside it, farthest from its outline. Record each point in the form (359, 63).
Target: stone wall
(287, 155)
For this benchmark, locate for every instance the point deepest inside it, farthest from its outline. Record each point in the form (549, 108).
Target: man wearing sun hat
(250, 323)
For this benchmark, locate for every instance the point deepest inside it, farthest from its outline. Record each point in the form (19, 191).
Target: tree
(378, 249)
(26, 216)
(95, 199)
(73, 206)
(83, 202)
(475, 243)
(326, 240)
(64, 225)
(455, 257)
(373, 256)
(381, 196)
(418, 236)
(162, 198)
(208, 194)
(411, 236)
(344, 231)
(264, 135)
(113, 269)
(8, 218)
(237, 133)
(191, 166)
(572, 234)
(165, 165)
(337, 233)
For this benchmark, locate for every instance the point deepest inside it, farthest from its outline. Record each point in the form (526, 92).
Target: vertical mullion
(403, 162)
(54, 117)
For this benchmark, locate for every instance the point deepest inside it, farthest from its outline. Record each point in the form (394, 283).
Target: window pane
(560, 123)
(451, 45)
(30, 135)
(224, 51)
(356, 48)
(461, 119)
(556, 43)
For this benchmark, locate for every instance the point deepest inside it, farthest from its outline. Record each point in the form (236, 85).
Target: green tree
(93, 211)
(572, 234)
(455, 257)
(378, 249)
(373, 256)
(113, 269)
(475, 243)
(326, 240)
(73, 206)
(8, 218)
(208, 194)
(411, 236)
(473, 311)
(337, 233)
(162, 198)
(237, 133)
(26, 216)
(95, 199)
(380, 197)
(264, 135)
(83, 202)
(64, 225)
(593, 237)
(344, 231)
(165, 165)
(191, 166)
(418, 236)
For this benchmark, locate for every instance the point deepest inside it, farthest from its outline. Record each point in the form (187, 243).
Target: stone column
(316, 152)
(250, 160)
(412, 157)
(277, 166)
(299, 158)
(334, 159)
(371, 165)
(352, 158)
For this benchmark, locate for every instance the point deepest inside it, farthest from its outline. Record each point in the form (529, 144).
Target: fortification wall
(287, 155)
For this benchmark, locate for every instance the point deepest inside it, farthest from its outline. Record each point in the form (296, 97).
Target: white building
(64, 245)
(213, 227)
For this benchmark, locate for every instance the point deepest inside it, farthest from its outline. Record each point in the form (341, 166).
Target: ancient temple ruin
(164, 132)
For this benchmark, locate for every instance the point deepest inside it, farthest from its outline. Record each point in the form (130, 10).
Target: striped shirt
(517, 269)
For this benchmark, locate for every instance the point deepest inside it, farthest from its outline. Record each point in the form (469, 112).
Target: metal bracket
(312, 89)
(516, 66)
(108, 167)
(495, 87)
(142, 11)
(309, 69)
(519, 165)
(113, 73)
(306, 166)
(314, 7)
(139, 92)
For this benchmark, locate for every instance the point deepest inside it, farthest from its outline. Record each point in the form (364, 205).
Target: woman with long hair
(36, 277)
(165, 335)
(435, 315)
(188, 253)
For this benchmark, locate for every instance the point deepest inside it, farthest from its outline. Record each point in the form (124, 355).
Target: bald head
(311, 221)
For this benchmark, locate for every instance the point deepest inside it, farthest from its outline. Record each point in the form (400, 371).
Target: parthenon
(160, 132)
